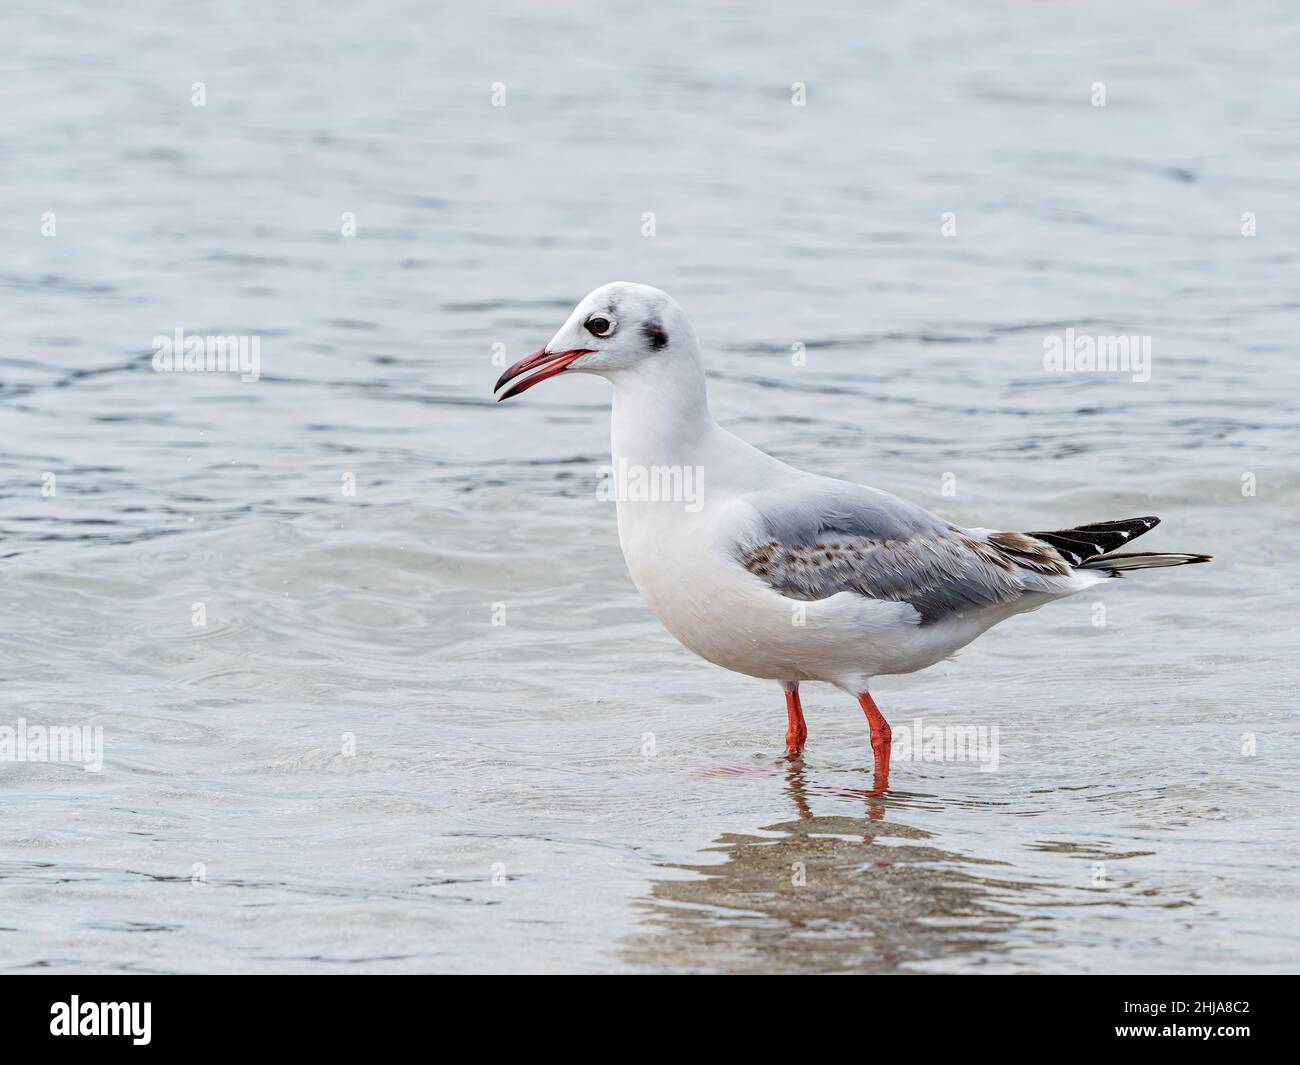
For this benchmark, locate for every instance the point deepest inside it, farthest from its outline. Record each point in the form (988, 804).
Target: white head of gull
(786, 575)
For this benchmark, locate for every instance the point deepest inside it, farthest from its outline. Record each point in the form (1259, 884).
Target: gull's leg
(798, 731)
(881, 738)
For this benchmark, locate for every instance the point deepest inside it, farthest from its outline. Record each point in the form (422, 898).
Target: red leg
(797, 734)
(881, 739)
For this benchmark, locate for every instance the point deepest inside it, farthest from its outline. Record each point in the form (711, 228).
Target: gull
(784, 575)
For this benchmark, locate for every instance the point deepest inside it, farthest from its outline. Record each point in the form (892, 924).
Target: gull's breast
(684, 571)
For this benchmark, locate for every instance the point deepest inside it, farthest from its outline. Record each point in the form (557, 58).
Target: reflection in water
(827, 894)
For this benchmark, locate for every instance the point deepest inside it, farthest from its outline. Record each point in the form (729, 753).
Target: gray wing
(853, 539)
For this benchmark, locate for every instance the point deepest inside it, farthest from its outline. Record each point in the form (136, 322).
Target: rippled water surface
(353, 765)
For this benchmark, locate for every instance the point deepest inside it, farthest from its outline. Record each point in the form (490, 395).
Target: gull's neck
(661, 412)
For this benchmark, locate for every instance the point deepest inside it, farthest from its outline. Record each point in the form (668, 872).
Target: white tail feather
(1141, 560)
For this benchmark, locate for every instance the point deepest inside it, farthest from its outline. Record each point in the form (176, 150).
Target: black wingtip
(1082, 542)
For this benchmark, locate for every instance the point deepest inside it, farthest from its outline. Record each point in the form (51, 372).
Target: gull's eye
(600, 326)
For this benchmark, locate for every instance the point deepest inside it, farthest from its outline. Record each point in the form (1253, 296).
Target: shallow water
(570, 790)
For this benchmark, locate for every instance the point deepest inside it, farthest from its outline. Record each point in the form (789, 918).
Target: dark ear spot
(654, 332)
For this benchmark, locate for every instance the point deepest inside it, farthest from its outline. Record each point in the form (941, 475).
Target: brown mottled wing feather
(827, 537)
(939, 572)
